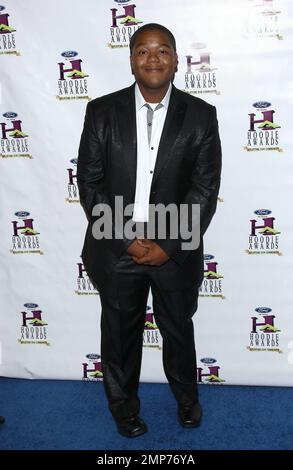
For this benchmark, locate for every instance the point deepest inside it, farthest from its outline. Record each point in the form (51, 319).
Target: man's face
(153, 60)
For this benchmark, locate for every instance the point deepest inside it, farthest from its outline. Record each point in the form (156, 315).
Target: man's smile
(153, 69)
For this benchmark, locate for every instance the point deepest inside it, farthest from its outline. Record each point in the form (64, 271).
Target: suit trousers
(124, 301)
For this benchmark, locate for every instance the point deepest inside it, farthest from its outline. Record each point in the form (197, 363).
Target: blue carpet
(49, 414)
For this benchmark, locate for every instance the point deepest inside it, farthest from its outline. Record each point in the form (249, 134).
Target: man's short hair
(151, 27)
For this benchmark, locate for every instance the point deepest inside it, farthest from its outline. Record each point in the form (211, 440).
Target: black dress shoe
(190, 416)
(131, 427)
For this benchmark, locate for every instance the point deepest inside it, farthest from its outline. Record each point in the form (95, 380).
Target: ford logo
(208, 257)
(93, 356)
(30, 305)
(261, 104)
(73, 161)
(263, 309)
(69, 54)
(208, 360)
(21, 214)
(10, 115)
(2, 8)
(198, 45)
(121, 1)
(262, 212)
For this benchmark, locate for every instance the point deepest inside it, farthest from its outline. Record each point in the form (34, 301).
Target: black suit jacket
(187, 170)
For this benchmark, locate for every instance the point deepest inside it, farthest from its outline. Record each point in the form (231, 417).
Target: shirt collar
(140, 101)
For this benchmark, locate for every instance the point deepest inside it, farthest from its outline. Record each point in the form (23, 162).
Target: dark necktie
(150, 115)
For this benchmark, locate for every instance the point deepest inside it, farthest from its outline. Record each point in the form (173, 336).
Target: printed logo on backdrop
(13, 139)
(264, 235)
(72, 188)
(123, 23)
(84, 284)
(264, 333)
(33, 329)
(72, 82)
(151, 335)
(263, 132)
(212, 284)
(7, 33)
(209, 373)
(263, 19)
(25, 237)
(92, 369)
(201, 75)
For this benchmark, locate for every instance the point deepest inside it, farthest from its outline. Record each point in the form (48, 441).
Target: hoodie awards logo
(7, 34)
(212, 283)
(13, 140)
(264, 334)
(264, 237)
(33, 328)
(263, 19)
(210, 372)
(124, 24)
(72, 83)
(84, 284)
(72, 188)
(24, 237)
(263, 133)
(151, 334)
(201, 75)
(92, 369)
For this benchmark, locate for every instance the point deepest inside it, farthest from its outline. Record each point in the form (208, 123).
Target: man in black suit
(150, 144)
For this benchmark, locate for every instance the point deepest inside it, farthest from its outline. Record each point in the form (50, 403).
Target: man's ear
(130, 58)
(177, 62)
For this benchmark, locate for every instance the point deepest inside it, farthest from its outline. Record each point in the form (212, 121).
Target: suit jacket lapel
(126, 118)
(173, 122)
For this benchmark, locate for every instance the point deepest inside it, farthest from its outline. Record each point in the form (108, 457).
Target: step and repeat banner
(57, 56)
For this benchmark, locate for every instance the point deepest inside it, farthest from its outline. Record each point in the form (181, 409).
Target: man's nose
(153, 56)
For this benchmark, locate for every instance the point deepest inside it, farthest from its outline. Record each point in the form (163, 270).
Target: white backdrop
(55, 57)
